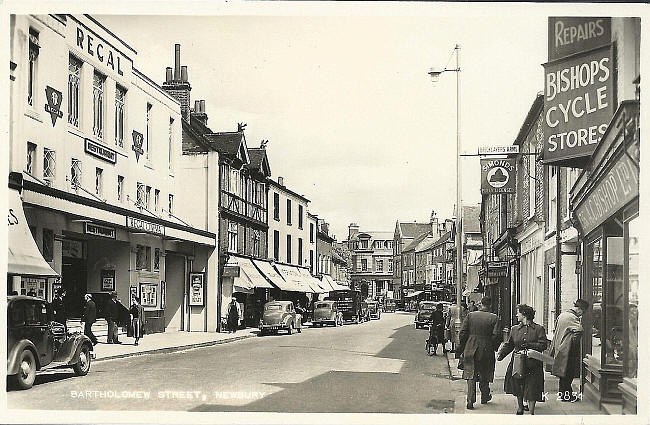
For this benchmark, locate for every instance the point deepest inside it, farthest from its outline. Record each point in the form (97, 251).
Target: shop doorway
(73, 280)
(174, 285)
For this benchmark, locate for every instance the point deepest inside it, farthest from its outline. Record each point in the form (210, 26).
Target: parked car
(35, 342)
(280, 315)
(374, 310)
(423, 315)
(390, 305)
(327, 313)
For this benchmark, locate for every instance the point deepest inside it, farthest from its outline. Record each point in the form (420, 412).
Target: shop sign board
(498, 150)
(197, 289)
(497, 269)
(102, 152)
(568, 35)
(99, 230)
(231, 271)
(578, 104)
(498, 176)
(616, 188)
(145, 226)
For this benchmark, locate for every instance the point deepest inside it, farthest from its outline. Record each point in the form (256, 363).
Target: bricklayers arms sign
(578, 87)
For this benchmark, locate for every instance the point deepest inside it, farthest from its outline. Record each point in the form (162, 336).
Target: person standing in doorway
(479, 339)
(58, 308)
(111, 318)
(233, 315)
(89, 317)
(136, 314)
(565, 348)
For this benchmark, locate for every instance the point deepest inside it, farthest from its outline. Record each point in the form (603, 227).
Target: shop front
(243, 281)
(605, 205)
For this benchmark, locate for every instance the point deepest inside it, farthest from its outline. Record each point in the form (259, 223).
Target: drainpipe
(558, 247)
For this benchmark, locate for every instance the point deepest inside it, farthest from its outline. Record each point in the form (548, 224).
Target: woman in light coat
(136, 314)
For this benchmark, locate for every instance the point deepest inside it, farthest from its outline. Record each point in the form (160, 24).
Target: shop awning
(328, 283)
(24, 257)
(312, 281)
(291, 274)
(248, 270)
(276, 279)
(414, 294)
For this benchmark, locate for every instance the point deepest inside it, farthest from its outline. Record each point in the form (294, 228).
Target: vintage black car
(327, 313)
(35, 342)
(280, 315)
(423, 315)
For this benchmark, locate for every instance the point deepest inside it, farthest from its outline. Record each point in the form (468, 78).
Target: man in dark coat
(479, 339)
(58, 309)
(89, 317)
(565, 348)
(436, 329)
(112, 313)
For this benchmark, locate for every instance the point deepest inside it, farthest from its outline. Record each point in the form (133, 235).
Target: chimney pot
(281, 181)
(184, 74)
(197, 106)
(177, 62)
(203, 106)
(168, 74)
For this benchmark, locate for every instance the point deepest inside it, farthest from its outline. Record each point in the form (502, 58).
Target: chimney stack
(178, 85)
(177, 62)
(203, 106)
(197, 106)
(199, 112)
(353, 230)
(281, 181)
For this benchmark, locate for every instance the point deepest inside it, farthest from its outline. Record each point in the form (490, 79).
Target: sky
(353, 120)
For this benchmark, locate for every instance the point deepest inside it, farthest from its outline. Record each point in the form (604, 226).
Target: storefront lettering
(618, 187)
(98, 230)
(98, 51)
(99, 151)
(569, 35)
(584, 31)
(145, 226)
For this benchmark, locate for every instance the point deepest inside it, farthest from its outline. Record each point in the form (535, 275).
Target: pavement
(502, 403)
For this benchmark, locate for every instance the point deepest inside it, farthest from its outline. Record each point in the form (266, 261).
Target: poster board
(197, 289)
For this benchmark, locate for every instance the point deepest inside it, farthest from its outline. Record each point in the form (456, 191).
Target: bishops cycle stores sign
(498, 176)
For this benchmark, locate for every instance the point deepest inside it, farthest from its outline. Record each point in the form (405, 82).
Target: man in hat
(89, 317)
(112, 313)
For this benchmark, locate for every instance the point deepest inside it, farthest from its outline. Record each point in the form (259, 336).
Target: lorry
(351, 305)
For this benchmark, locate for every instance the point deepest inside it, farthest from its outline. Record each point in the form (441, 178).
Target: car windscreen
(273, 307)
(323, 305)
(427, 306)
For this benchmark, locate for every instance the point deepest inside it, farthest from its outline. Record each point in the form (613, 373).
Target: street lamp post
(435, 75)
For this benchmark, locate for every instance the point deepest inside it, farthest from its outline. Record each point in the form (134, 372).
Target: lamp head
(435, 74)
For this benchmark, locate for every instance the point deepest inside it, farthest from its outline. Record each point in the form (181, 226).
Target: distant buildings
(372, 261)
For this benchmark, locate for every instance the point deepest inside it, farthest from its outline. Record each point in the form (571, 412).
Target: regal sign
(138, 140)
(578, 104)
(145, 226)
(570, 35)
(498, 176)
(53, 105)
(102, 152)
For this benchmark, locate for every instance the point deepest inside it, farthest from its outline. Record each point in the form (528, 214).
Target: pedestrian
(233, 315)
(136, 316)
(58, 308)
(526, 382)
(472, 306)
(565, 348)
(450, 325)
(436, 329)
(301, 312)
(89, 317)
(479, 339)
(112, 313)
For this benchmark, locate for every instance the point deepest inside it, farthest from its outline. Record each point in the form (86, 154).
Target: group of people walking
(479, 340)
(135, 327)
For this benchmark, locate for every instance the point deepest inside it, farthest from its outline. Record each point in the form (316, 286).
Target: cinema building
(94, 146)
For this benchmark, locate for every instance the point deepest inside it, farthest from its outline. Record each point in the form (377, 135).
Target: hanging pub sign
(498, 176)
(53, 105)
(138, 140)
(197, 288)
(497, 269)
(570, 35)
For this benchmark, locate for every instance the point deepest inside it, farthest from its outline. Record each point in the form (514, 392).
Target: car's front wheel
(24, 379)
(82, 367)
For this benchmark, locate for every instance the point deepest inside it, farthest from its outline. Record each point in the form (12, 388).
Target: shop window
(156, 260)
(74, 85)
(143, 258)
(98, 181)
(31, 158)
(98, 104)
(139, 195)
(48, 244)
(49, 164)
(232, 236)
(120, 95)
(75, 173)
(632, 356)
(615, 298)
(120, 188)
(32, 66)
(595, 265)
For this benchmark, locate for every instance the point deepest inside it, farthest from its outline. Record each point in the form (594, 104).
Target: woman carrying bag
(525, 375)
(136, 314)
